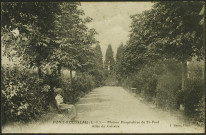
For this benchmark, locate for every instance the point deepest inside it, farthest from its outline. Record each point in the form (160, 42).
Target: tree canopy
(52, 33)
(170, 30)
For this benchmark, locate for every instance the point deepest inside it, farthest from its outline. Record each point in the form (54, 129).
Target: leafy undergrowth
(180, 114)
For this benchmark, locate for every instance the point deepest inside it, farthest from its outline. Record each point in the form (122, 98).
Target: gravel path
(110, 110)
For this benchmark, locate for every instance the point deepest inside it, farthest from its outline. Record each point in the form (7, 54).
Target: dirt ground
(109, 110)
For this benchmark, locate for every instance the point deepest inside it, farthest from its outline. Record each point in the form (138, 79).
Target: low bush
(66, 87)
(192, 95)
(98, 76)
(145, 80)
(23, 95)
(201, 112)
(80, 86)
(167, 91)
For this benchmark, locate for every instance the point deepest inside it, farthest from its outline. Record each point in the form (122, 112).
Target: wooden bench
(135, 90)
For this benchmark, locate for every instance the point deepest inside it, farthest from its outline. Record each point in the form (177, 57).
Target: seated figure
(69, 109)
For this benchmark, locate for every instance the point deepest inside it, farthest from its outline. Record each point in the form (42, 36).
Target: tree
(53, 34)
(119, 62)
(99, 56)
(109, 59)
(137, 53)
(74, 39)
(168, 31)
(97, 68)
(34, 44)
(180, 36)
(119, 53)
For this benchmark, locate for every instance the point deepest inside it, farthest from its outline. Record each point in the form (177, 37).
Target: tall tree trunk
(70, 77)
(184, 73)
(71, 85)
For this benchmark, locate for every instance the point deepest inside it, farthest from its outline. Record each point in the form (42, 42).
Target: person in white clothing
(62, 106)
(59, 99)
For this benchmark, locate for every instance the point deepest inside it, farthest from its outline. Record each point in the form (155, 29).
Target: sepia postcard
(103, 67)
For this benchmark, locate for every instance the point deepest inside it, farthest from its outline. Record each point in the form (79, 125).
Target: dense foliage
(46, 37)
(109, 59)
(155, 58)
(24, 95)
(54, 36)
(98, 71)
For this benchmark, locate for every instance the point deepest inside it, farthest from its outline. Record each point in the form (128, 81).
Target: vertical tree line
(165, 32)
(162, 41)
(47, 37)
(109, 59)
(51, 33)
